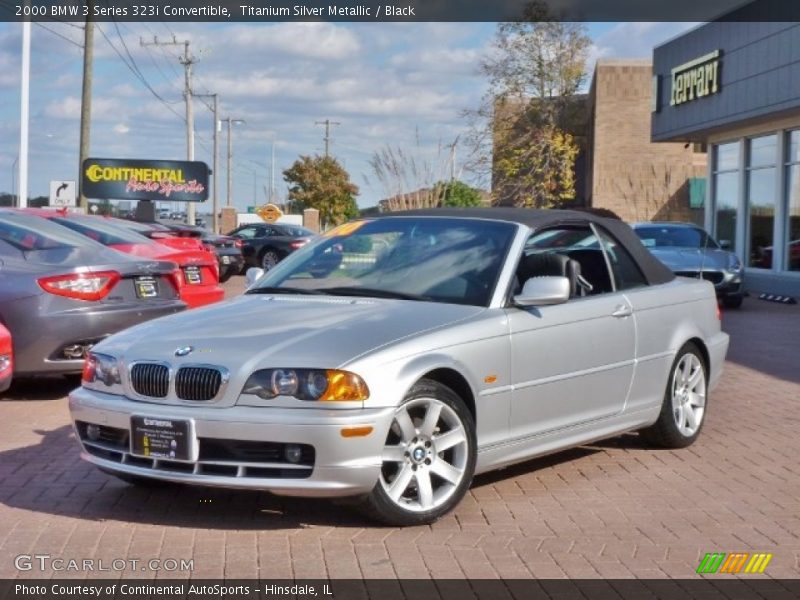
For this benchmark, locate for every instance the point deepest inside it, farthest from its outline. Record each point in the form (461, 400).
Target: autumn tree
(457, 193)
(320, 182)
(521, 130)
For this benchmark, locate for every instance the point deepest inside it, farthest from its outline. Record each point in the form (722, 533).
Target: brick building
(618, 166)
(625, 171)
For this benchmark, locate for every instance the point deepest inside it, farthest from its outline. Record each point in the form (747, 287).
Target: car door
(572, 363)
(249, 234)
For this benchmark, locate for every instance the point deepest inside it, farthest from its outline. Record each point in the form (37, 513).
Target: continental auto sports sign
(130, 179)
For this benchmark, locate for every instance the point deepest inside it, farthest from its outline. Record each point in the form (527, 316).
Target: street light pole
(230, 121)
(24, 114)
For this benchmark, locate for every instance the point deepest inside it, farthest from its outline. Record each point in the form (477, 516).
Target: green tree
(521, 131)
(458, 193)
(320, 182)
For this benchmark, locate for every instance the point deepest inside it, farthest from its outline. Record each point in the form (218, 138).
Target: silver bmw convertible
(394, 358)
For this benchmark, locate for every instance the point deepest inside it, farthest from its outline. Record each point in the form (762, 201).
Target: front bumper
(341, 466)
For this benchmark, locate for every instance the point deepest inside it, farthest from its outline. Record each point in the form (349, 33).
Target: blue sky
(391, 84)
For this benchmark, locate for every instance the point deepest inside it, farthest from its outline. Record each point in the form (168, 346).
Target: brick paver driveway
(613, 509)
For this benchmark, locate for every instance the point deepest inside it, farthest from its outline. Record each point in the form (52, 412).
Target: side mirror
(253, 274)
(725, 244)
(543, 291)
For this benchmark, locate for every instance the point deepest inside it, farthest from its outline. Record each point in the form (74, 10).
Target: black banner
(399, 589)
(129, 179)
(396, 10)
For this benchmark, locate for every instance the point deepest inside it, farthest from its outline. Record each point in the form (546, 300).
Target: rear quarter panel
(667, 316)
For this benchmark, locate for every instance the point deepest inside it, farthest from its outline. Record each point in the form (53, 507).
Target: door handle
(623, 310)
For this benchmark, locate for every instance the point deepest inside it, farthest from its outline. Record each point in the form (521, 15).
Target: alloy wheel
(688, 394)
(425, 456)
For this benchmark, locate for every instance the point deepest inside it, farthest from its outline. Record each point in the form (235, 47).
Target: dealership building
(734, 88)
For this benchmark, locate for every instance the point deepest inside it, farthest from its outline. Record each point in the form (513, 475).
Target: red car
(200, 282)
(6, 359)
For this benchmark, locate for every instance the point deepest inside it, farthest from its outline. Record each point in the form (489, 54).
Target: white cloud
(317, 40)
(121, 128)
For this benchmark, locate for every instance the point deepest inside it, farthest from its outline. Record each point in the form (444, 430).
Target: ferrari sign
(128, 179)
(269, 212)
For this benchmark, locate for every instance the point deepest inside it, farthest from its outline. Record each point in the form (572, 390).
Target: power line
(63, 37)
(140, 77)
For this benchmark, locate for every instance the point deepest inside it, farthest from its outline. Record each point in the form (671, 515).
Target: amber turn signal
(344, 386)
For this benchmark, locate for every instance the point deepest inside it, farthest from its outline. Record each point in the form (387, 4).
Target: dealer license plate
(161, 438)
(193, 276)
(146, 287)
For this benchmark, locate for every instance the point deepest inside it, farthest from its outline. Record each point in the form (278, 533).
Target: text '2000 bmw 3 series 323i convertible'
(394, 358)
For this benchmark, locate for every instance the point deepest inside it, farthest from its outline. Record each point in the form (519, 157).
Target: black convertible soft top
(653, 269)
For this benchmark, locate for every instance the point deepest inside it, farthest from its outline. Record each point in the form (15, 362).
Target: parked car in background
(691, 252)
(199, 281)
(264, 245)
(457, 351)
(60, 292)
(6, 358)
(228, 250)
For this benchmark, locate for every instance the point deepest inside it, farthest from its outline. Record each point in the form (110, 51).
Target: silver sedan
(394, 358)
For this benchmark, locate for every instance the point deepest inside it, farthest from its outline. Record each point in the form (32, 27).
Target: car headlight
(734, 264)
(323, 385)
(101, 372)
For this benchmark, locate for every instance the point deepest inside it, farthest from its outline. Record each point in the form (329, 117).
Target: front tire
(684, 407)
(428, 458)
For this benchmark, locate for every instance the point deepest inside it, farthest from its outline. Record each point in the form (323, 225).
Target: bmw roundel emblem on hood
(183, 351)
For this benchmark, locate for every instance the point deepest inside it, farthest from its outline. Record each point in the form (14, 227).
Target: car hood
(692, 259)
(261, 331)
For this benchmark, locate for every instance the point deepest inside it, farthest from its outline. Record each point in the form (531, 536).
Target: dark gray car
(61, 292)
(689, 251)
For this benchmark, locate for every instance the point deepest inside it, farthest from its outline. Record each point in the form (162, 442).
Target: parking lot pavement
(611, 509)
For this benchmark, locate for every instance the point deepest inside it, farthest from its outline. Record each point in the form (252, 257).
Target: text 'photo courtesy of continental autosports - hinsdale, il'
(393, 381)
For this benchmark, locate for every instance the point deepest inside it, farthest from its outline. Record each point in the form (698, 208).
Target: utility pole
(215, 168)
(327, 138)
(86, 102)
(187, 60)
(272, 173)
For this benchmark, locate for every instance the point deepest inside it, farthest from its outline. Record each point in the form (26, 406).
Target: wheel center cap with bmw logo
(184, 351)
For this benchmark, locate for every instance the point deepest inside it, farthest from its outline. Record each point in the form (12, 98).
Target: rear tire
(428, 458)
(684, 406)
(732, 301)
(225, 274)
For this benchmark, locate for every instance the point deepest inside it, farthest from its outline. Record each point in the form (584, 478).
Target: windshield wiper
(373, 293)
(284, 290)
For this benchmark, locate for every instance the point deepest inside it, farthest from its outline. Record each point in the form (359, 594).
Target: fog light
(293, 453)
(93, 432)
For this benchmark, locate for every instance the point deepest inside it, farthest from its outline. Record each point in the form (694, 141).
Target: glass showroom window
(761, 199)
(793, 201)
(726, 190)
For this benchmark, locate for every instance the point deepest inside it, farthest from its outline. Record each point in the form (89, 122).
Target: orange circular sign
(269, 212)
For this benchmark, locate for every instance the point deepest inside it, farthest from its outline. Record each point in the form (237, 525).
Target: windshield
(654, 236)
(435, 259)
(295, 231)
(101, 230)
